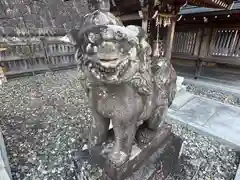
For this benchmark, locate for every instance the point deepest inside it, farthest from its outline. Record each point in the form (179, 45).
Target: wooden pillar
(198, 42)
(145, 18)
(169, 39)
(145, 24)
(206, 42)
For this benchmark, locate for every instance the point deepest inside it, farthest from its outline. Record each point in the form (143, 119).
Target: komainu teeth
(99, 70)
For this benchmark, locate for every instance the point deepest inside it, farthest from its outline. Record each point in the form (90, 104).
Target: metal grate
(225, 42)
(184, 42)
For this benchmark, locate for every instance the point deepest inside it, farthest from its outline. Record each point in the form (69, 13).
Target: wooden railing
(225, 42)
(184, 42)
(219, 45)
(207, 45)
(35, 54)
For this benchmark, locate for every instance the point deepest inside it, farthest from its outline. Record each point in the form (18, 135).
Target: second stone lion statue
(121, 80)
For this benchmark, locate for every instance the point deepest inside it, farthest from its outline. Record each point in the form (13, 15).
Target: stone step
(219, 86)
(208, 117)
(181, 98)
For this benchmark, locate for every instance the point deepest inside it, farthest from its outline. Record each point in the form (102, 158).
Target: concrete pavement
(208, 117)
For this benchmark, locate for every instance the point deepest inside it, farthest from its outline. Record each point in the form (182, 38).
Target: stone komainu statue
(121, 81)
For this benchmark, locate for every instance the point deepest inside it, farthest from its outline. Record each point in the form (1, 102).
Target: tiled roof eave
(198, 10)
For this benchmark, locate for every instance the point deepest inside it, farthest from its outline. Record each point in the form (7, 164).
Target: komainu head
(108, 51)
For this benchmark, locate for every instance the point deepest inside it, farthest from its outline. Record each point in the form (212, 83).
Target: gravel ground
(213, 94)
(44, 118)
(203, 158)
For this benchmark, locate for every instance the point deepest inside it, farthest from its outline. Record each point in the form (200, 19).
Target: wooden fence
(184, 42)
(219, 45)
(207, 45)
(29, 55)
(225, 42)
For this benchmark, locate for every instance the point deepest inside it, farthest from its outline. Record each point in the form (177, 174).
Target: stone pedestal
(158, 153)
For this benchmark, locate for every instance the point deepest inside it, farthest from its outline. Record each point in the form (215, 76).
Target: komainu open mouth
(109, 68)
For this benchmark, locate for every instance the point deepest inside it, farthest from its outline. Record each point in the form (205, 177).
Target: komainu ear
(140, 33)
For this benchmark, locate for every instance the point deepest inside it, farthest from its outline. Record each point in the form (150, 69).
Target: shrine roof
(131, 6)
(211, 3)
(197, 10)
(201, 3)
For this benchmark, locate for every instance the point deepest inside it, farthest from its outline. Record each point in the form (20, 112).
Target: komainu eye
(119, 35)
(93, 38)
(107, 34)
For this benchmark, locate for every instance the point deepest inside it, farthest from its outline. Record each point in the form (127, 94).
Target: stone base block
(160, 153)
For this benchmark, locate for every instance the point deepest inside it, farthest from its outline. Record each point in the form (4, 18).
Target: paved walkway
(209, 117)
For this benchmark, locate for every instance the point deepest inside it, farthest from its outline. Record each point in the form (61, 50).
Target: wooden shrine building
(199, 37)
(191, 41)
(208, 40)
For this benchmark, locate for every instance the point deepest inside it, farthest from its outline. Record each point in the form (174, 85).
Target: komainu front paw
(118, 158)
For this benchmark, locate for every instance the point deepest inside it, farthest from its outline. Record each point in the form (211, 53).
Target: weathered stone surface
(225, 123)
(120, 80)
(160, 153)
(197, 110)
(181, 99)
(210, 117)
